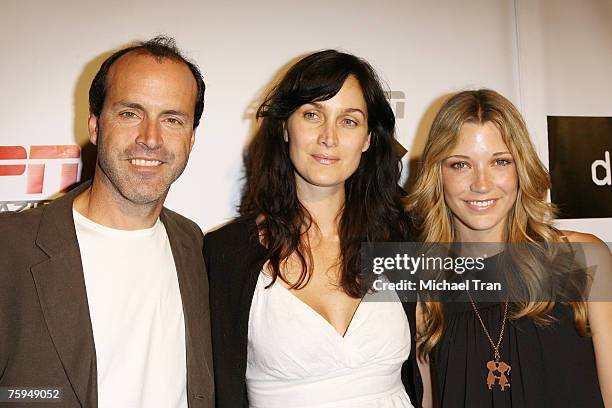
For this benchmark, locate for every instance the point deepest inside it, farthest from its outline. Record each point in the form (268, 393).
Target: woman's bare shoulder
(576, 236)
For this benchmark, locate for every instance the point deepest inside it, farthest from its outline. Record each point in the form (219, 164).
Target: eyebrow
(347, 110)
(175, 112)
(350, 110)
(133, 105)
(461, 156)
(130, 105)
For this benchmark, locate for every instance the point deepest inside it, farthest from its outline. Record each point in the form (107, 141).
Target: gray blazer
(46, 339)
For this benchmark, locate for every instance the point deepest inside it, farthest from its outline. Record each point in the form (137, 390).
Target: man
(103, 293)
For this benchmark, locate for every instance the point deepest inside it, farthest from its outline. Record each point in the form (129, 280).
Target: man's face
(145, 131)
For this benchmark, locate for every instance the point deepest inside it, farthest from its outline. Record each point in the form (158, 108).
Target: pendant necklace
(495, 365)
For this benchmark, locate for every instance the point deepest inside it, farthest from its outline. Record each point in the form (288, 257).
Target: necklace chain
(501, 331)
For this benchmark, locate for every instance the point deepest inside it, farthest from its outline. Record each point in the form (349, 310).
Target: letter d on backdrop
(581, 180)
(605, 164)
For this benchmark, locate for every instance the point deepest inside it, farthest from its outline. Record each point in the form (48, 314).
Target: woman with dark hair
(292, 322)
(543, 343)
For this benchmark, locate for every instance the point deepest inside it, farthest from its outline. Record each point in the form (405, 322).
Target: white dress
(297, 359)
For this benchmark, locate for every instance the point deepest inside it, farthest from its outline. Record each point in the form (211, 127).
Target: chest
(322, 291)
(285, 332)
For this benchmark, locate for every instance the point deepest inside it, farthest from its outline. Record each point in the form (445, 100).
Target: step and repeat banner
(552, 58)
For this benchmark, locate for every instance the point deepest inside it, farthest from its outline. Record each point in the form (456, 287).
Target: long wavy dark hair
(373, 209)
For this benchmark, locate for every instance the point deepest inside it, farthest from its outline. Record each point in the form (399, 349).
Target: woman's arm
(600, 319)
(598, 257)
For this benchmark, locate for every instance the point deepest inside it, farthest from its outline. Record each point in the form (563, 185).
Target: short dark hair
(160, 47)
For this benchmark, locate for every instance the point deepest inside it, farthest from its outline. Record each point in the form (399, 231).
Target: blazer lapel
(63, 298)
(193, 285)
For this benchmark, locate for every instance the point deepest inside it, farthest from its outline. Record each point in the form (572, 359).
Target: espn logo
(26, 171)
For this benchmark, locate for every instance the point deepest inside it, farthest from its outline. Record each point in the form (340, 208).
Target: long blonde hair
(528, 220)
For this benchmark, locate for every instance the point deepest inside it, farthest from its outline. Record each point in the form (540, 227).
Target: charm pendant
(496, 366)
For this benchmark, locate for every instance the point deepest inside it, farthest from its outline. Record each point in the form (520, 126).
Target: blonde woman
(481, 181)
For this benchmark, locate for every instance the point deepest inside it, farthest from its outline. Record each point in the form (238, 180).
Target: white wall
(565, 70)
(425, 50)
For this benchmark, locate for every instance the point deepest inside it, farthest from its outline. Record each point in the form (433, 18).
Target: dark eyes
(134, 115)
(128, 114)
(174, 121)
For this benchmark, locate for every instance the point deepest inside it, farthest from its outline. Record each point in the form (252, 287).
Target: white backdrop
(550, 57)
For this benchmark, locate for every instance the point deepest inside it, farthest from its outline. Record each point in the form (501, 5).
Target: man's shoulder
(24, 225)
(20, 226)
(181, 219)
(184, 224)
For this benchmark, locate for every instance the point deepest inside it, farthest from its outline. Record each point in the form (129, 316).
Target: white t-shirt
(136, 315)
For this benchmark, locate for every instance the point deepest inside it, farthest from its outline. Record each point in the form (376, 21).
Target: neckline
(318, 316)
(252, 223)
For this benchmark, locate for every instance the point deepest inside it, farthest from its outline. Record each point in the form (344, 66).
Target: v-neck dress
(296, 358)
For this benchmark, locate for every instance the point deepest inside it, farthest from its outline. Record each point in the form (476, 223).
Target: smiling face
(480, 183)
(145, 131)
(326, 138)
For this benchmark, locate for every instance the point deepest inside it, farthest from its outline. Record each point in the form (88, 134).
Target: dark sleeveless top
(551, 366)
